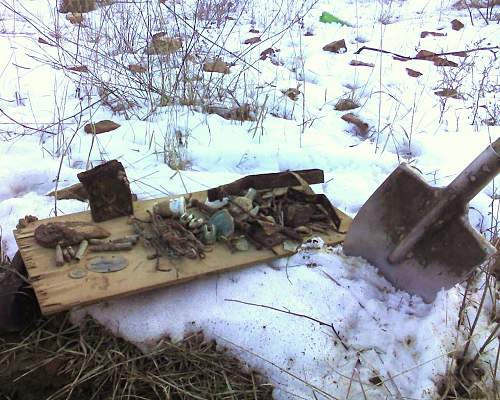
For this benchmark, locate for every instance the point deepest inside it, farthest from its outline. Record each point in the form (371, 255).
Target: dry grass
(470, 374)
(57, 360)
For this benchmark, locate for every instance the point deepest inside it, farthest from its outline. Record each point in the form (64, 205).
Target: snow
(388, 333)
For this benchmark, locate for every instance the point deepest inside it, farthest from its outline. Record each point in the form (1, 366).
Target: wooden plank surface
(57, 291)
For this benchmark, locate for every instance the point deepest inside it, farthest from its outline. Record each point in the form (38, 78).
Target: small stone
(240, 205)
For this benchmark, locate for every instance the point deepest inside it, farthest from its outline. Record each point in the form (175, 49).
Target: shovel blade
(439, 260)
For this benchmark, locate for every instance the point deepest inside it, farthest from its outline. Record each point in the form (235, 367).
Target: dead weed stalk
(471, 374)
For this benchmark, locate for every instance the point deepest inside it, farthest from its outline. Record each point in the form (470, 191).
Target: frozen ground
(384, 333)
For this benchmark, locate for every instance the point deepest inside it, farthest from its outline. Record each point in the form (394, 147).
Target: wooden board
(56, 291)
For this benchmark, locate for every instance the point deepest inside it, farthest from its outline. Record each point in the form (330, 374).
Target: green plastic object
(328, 18)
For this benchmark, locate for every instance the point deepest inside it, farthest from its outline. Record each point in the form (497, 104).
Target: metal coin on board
(77, 273)
(104, 264)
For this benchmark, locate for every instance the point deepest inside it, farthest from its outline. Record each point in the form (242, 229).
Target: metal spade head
(440, 259)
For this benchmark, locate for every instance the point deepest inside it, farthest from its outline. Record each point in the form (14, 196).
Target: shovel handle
(477, 174)
(453, 199)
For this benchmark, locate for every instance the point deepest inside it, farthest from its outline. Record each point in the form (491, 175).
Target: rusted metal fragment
(169, 237)
(68, 233)
(132, 239)
(24, 222)
(267, 241)
(297, 214)
(320, 199)
(109, 191)
(266, 181)
(124, 246)
(75, 192)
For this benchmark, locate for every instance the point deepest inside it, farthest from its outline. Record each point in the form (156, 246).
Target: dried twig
(322, 323)
(448, 53)
(490, 338)
(476, 319)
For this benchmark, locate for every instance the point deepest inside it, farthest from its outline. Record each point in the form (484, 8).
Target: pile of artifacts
(267, 211)
(188, 227)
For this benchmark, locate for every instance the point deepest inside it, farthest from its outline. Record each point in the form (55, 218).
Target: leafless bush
(214, 11)
(475, 83)
(485, 8)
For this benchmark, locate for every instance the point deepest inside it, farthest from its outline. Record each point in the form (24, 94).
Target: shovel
(419, 236)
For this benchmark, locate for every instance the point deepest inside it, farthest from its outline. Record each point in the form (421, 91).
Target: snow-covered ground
(385, 333)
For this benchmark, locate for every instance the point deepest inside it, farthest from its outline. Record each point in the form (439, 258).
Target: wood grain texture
(56, 291)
